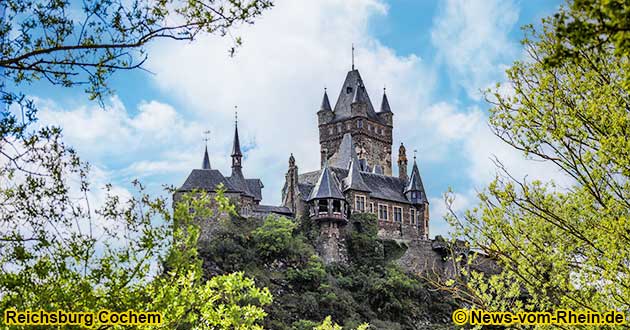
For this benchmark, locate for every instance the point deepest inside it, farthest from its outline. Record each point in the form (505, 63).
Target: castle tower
(414, 191)
(354, 113)
(328, 209)
(402, 163)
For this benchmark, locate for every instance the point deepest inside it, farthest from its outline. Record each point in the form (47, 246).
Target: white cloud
(471, 37)
(277, 80)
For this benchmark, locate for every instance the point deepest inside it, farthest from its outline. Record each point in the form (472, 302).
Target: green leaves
(561, 247)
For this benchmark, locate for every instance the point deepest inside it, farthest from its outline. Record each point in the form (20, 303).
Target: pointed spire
(206, 161)
(385, 103)
(327, 185)
(415, 184)
(236, 146)
(325, 103)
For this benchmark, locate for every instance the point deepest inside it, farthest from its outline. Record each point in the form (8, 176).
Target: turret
(328, 209)
(326, 201)
(386, 113)
(325, 113)
(402, 163)
(290, 191)
(414, 191)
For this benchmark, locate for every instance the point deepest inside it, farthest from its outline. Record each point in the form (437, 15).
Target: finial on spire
(206, 137)
(236, 115)
(352, 56)
(414, 154)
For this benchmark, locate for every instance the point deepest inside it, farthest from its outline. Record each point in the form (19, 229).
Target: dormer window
(348, 90)
(359, 123)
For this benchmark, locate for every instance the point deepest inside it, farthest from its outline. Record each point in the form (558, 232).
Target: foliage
(306, 291)
(71, 45)
(595, 26)
(560, 247)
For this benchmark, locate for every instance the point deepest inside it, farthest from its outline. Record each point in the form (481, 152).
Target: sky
(435, 58)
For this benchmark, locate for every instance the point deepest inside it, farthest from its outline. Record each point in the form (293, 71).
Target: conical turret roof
(325, 103)
(327, 186)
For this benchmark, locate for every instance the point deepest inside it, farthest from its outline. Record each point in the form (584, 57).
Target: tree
(559, 247)
(591, 25)
(59, 251)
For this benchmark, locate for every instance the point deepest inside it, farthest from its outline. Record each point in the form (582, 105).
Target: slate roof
(205, 164)
(207, 180)
(342, 157)
(343, 107)
(380, 186)
(354, 180)
(325, 103)
(255, 188)
(272, 209)
(415, 181)
(236, 146)
(327, 186)
(385, 103)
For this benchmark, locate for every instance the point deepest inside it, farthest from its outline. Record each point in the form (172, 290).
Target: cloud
(472, 39)
(278, 76)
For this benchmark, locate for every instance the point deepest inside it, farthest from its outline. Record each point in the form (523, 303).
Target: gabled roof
(327, 186)
(207, 180)
(343, 107)
(255, 187)
(380, 186)
(205, 164)
(415, 182)
(239, 183)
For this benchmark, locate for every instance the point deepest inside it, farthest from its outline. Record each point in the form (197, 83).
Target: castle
(355, 176)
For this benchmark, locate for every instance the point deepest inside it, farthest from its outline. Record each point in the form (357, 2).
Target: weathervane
(206, 137)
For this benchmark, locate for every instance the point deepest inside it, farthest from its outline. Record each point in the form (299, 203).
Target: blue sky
(434, 58)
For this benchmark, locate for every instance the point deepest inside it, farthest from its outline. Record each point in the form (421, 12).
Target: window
(382, 132)
(397, 214)
(359, 123)
(369, 127)
(382, 212)
(372, 208)
(348, 90)
(339, 128)
(412, 215)
(413, 195)
(337, 206)
(331, 130)
(348, 126)
(359, 203)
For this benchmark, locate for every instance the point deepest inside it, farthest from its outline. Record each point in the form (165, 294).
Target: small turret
(325, 113)
(415, 190)
(402, 163)
(386, 113)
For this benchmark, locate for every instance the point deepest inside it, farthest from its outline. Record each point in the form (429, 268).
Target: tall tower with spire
(354, 113)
